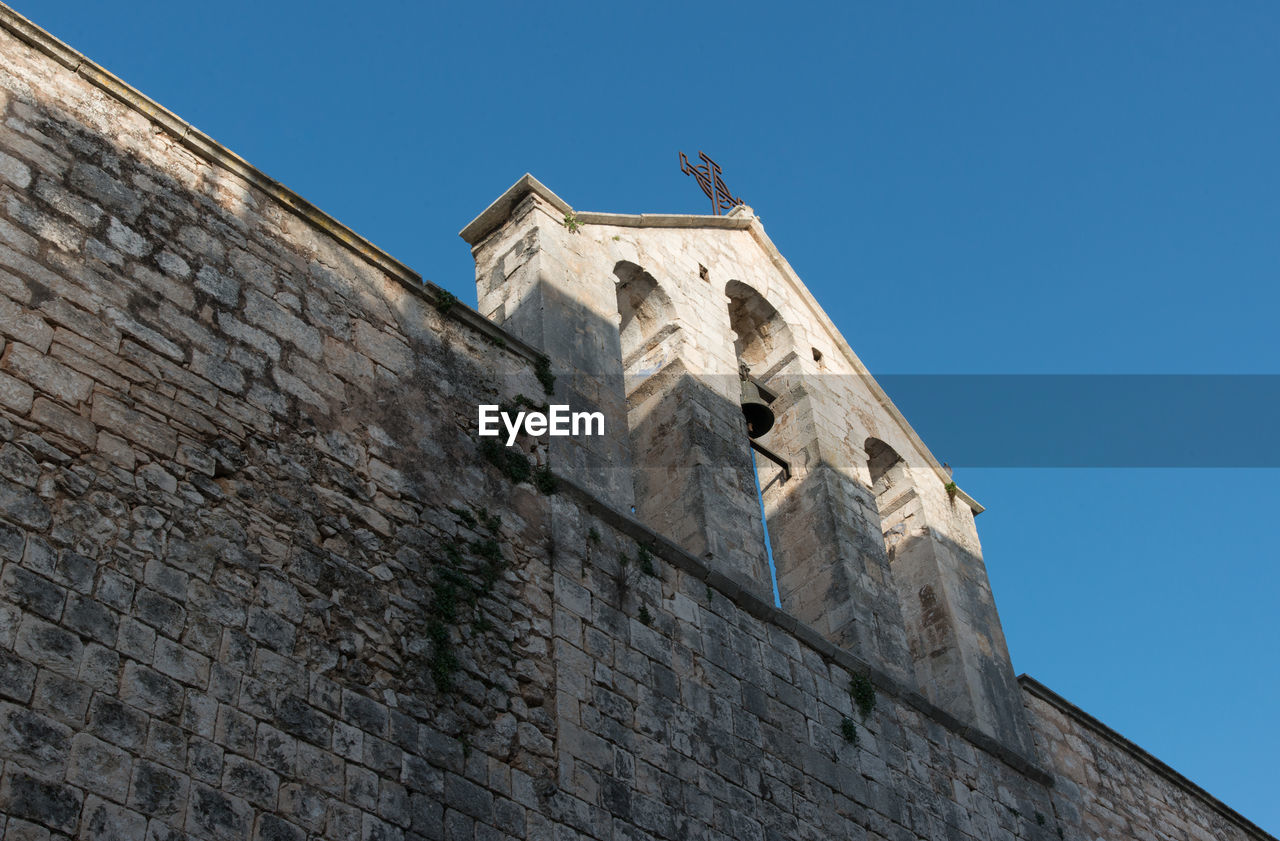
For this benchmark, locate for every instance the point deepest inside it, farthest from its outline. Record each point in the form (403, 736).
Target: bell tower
(719, 374)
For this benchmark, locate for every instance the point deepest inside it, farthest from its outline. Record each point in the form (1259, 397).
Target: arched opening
(645, 320)
(896, 498)
(763, 346)
(762, 340)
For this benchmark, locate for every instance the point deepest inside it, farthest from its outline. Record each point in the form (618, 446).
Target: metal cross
(708, 177)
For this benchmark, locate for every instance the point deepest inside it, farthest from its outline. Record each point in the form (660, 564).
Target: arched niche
(763, 341)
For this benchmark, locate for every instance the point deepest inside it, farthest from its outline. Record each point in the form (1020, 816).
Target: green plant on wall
(458, 584)
(514, 464)
(542, 370)
(510, 461)
(863, 693)
(645, 559)
(849, 730)
(571, 222)
(445, 300)
(545, 481)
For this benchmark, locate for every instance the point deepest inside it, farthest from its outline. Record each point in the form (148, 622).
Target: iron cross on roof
(708, 176)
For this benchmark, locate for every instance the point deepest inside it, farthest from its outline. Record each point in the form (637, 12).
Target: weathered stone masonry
(259, 581)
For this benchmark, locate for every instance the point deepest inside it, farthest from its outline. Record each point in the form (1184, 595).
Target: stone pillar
(532, 279)
(957, 643)
(833, 572)
(694, 479)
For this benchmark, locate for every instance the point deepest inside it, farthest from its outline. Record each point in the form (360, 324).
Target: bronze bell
(757, 412)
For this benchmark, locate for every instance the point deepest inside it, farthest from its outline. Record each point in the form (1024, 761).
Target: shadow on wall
(261, 448)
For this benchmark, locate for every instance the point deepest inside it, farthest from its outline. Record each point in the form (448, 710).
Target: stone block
(23, 325)
(108, 820)
(116, 722)
(48, 646)
(65, 422)
(47, 374)
(166, 744)
(17, 677)
(204, 760)
(55, 805)
(141, 429)
(62, 697)
(298, 718)
(282, 324)
(115, 589)
(235, 730)
(20, 830)
(104, 189)
(224, 289)
(15, 395)
(125, 239)
(66, 567)
(99, 767)
(100, 667)
(275, 828)
(91, 618)
(276, 750)
(217, 816)
(84, 213)
(33, 740)
(181, 664)
(148, 690)
(160, 612)
(383, 348)
(21, 506)
(269, 629)
(361, 787)
(14, 171)
(320, 769)
(364, 712)
(32, 592)
(247, 779)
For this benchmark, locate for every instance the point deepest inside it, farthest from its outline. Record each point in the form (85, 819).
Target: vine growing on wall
(445, 300)
(466, 574)
(645, 564)
(512, 461)
(542, 370)
(863, 693)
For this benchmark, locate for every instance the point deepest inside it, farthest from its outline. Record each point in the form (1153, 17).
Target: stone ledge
(766, 612)
(500, 210)
(665, 220)
(1037, 689)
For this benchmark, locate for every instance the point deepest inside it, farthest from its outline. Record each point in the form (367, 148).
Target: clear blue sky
(968, 188)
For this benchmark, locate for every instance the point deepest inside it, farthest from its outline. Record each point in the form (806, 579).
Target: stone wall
(259, 580)
(1107, 787)
(240, 503)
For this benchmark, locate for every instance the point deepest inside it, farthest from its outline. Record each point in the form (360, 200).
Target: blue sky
(1085, 188)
